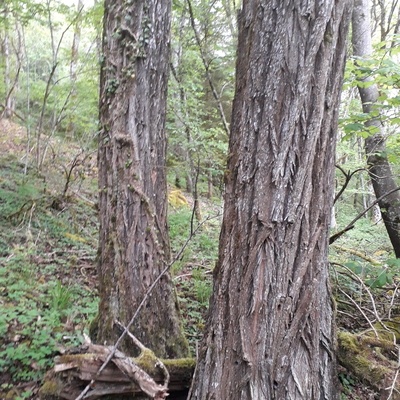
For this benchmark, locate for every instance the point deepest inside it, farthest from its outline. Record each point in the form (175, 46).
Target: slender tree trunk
(270, 329)
(134, 244)
(183, 151)
(73, 67)
(8, 108)
(9, 103)
(206, 65)
(210, 187)
(380, 170)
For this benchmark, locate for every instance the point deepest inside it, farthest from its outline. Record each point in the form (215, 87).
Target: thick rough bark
(380, 170)
(270, 330)
(134, 244)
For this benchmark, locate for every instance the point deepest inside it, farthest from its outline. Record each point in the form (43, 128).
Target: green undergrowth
(48, 277)
(192, 272)
(47, 274)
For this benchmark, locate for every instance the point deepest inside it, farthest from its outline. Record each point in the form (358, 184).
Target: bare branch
(337, 235)
(348, 175)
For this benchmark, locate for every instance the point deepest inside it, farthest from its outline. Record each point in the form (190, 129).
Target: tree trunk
(270, 329)
(8, 106)
(134, 243)
(9, 103)
(380, 170)
(73, 66)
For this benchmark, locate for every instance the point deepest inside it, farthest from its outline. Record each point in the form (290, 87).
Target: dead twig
(375, 311)
(392, 388)
(337, 235)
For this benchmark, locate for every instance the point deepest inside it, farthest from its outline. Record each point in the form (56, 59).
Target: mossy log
(143, 377)
(373, 360)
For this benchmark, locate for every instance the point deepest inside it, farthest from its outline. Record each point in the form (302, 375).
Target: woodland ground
(48, 245)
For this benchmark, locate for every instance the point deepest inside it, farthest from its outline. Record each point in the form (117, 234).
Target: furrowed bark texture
(270, 330)
(134, 243)
(380, 171)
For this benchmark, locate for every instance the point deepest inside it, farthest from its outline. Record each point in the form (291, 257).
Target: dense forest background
(49, 96)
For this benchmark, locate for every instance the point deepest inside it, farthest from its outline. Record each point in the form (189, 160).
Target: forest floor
(48, 245)
(47, 263)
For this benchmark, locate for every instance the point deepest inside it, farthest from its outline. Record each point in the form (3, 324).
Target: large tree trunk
(134, 243)
(379, 170)
(270, 330)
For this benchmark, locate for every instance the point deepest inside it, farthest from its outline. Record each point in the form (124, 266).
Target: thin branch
(142, 348)
(357, 253)
(337, 235)
(348, 175)
(365, 287)
(141, 305)
(196, 205)
(135, 340)
(393, 300)
(392, 388)
(360, 310)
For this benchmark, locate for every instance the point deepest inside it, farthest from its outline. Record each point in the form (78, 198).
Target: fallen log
(373, 360)
(144, 375)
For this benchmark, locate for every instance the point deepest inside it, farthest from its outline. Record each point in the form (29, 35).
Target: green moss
(394, 329)
(50, 390)
(181, 364)
(348, 342)
(383, 342)
(358, 357)
(370, 371)
(147, 360)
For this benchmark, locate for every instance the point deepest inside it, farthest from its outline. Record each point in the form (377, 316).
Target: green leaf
(355, 267)
(354, 127)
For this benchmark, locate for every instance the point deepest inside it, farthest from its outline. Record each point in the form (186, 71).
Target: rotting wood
(122, 376)
(372, 360)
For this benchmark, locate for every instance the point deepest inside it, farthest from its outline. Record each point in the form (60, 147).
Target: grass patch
(192, 272)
